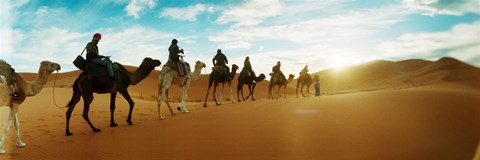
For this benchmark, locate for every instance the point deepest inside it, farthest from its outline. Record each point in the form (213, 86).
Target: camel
(279, 80)
(85, 87)
(217, 77)
(25, 89)
(169, 77)
(304, 80)
(246, 79)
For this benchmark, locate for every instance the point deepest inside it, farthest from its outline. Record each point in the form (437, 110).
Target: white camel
(169, 77)
(25, 89)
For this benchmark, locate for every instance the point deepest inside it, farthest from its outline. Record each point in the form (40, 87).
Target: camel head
(150, 63)
(49, 66)
(260, 78)
(291, 76)
(234, 68)
(199, 65)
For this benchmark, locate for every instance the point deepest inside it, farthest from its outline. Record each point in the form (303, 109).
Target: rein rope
(54, 86)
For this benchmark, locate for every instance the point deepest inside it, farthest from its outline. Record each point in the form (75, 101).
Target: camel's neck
(196, 73)
(258, 79)
(290, 79)
(234, 72)
(138, 75)
(34, 87)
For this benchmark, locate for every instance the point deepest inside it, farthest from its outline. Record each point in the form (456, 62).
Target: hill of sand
(381, 74)
(436, 116)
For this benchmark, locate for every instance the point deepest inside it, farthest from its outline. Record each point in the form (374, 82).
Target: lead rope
(54, 84)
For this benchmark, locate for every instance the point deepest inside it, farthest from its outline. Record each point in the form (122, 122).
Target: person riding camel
(247, 66)
(174, 55)
(276, 69)
(304, 70)
(221, 60)
(94, 56)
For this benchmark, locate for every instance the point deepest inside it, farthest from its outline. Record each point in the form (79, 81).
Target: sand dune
(383, 74)
(435, 115)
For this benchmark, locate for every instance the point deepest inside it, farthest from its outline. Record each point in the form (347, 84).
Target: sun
(339, 63)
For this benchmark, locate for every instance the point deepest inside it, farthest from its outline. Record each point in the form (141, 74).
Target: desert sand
(412, 109)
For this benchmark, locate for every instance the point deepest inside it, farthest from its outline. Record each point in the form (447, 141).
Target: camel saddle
(177, 67)
(7, 72)
(224, 70)
(95, 70)
(244, 73)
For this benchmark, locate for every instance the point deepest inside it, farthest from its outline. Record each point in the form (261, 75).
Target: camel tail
(75, 95)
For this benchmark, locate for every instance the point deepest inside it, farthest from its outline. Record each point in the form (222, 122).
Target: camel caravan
(102, 76)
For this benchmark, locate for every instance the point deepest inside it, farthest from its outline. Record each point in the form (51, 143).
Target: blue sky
(318, 33)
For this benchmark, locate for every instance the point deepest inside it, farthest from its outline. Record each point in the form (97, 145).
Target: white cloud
(137, 7)
(333, 29)
(461, 42)
(449, 7)
(188, 13)
(130, 45)
(236, 45)
(251, 12)
(8, 17)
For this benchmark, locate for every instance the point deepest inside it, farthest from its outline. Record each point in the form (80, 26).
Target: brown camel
(217, 77)
(246, 79)
(85, 87)
(304, 80)
(25, 89)
(169, 77)
(280, 81)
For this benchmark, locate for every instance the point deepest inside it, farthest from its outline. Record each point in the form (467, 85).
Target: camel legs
(231, 92)
(126, 95)
(296, 90)
(184, 98)
(301, 90)
(71, 105)
(168, 103)
(240, 90)
(208, 90)
(214, 93)
(221, 94)
(251, 89)
(75, 100)
(278, 92)
(163, 94)
(159, 101)
(87, 100)
(112, 109)
(11, 116)
(270, 92)
(17, 127)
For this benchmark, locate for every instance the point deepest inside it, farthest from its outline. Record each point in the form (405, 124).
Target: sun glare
(339, 64)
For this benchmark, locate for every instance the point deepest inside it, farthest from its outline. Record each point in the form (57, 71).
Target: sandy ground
(438, 120)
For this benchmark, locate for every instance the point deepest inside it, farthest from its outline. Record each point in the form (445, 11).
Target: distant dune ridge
(383, 74)
(411, 109)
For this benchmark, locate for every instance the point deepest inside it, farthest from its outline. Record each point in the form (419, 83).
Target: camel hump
(7, 72)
